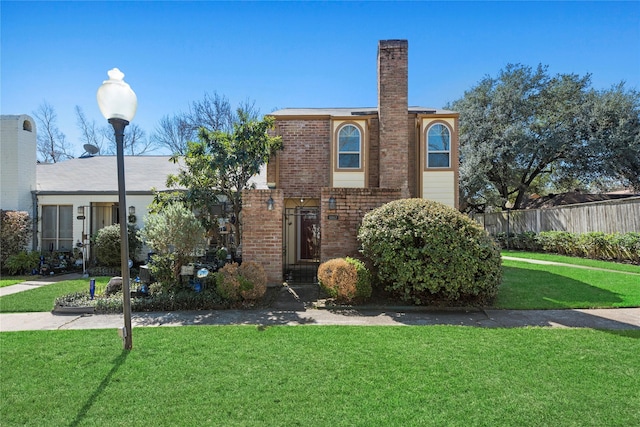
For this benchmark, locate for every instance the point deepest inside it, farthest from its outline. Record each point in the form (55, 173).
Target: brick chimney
(393, 114)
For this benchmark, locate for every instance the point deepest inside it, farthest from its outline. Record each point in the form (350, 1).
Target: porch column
(262, 212)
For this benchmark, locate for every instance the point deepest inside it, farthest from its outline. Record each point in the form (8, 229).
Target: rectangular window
(349, 160)
(438, 160)
(57, 228)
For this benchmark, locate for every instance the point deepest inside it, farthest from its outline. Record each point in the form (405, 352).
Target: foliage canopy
(220, 165)
(525, 129)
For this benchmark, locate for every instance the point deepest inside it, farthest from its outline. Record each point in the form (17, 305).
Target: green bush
(107, 244)
(426, 252)
(162, 270)
(345, 279)
(176, 234)
(22, 262)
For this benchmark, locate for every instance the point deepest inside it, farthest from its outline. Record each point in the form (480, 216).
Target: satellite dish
(91, 149)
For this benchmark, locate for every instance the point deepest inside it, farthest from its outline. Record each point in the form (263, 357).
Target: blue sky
(295, 54)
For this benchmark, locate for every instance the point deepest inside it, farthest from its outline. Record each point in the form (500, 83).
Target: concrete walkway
(561, 264)
(37, 282)
(610, 319)
(286, 310)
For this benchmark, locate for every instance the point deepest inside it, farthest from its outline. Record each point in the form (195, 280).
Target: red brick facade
(262, 231)
(303, 164)
(339, 226)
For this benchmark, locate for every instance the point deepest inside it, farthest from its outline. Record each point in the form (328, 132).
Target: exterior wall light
(333, 205)
(132, 210)
(118, 104)
(270, 204)
(80, 210)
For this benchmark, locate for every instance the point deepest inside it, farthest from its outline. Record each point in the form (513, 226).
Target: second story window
(438, 147)
(349, 148)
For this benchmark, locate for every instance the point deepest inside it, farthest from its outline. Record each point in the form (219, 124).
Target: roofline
(100, 193)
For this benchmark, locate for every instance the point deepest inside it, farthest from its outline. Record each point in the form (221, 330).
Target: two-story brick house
(339, 163)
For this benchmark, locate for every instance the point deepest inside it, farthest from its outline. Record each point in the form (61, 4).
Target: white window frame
(56, 239)
(429, 151)
(359, 152)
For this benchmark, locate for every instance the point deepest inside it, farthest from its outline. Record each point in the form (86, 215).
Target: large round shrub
(427, 252)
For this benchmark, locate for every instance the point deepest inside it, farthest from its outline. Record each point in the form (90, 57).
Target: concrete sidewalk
(37, 282)
(611, 319)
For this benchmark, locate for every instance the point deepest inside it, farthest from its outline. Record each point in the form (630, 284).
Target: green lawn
(322, 375)
(13, 280)
(535, 286)
(574, 261)
(42, 298)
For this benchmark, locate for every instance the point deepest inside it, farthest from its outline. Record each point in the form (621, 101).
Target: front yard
(322, 375)
(550, 286)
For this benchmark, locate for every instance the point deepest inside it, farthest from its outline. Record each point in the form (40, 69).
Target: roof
(99, 175)
(353, 111)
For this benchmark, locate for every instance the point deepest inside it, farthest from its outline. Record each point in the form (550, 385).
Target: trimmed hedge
(428, 253)
(345, 279)
(620, 247)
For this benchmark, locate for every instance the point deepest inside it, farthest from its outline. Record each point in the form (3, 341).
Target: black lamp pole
(118, 127)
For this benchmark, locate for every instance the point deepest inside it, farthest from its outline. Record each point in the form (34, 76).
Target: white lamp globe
(116, 99)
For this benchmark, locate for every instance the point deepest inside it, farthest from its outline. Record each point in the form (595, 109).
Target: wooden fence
(611, 216)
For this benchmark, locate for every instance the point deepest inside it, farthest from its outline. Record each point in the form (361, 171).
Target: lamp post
(118, 104)
(82, 244)
(508, 205)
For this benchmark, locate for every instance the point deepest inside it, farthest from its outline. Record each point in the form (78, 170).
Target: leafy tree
(51, 142)
(220, 165)
(524, 124)
(175, 234)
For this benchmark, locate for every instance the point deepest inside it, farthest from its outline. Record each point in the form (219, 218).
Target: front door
(309, 234)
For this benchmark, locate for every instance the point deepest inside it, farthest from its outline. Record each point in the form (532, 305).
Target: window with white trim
(349, 147)
(438, 146)
(57, 228)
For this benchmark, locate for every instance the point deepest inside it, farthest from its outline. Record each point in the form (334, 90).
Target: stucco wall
(17, 162)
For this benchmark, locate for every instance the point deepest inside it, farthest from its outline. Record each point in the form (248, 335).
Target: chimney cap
(394, 43)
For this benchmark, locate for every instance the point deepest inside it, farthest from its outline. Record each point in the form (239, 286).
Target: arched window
(349, 147)
(438, 147)
(26, 125)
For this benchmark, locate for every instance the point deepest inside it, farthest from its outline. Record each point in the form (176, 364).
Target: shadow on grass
(524, 288)
(117, 362)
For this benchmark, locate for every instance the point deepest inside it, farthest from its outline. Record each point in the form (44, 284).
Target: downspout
(34, 221)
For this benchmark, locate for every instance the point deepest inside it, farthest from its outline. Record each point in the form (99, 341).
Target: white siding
(348, 179)
(439, 186)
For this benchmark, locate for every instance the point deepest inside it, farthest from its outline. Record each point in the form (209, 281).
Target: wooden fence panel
(611, 216)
